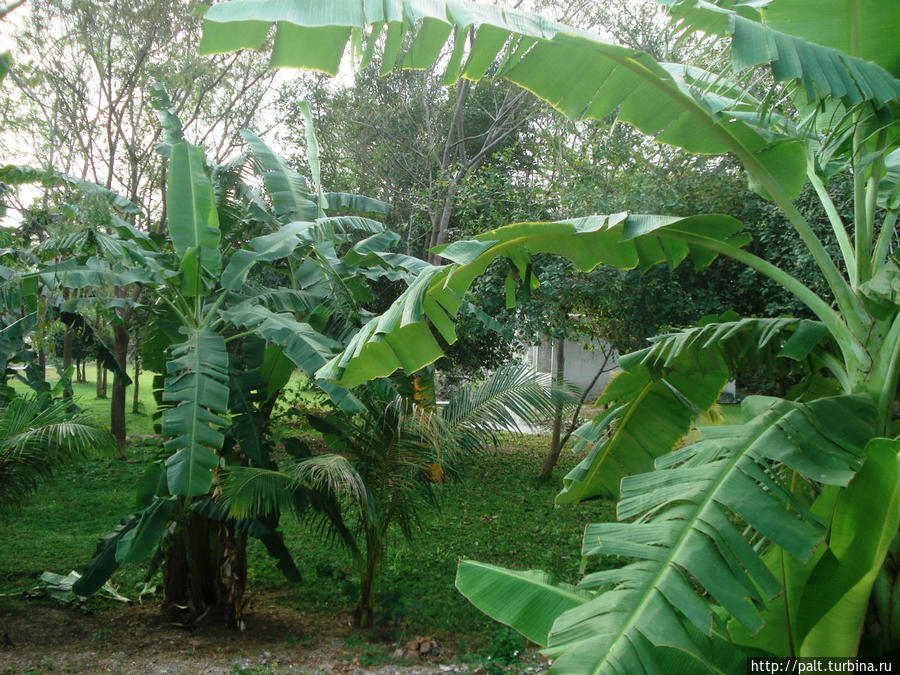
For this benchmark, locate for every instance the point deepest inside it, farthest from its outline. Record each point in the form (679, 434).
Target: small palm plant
(37, 440)
(387, 461)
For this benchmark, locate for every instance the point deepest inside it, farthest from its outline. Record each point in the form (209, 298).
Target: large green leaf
(96, 273)
(18, 175)
(140, 541)
(266, 248)
(811, 43)
(341, 202)
(196, 381)
(576, 72)
(836, 595)
(300, 342)
(863, 28)
(822, 607)
(193, 222)
(402, 338)
(651, 412)
(287, 189)
(691, 555)
(104, 563)
(665, 387)
(526, 600)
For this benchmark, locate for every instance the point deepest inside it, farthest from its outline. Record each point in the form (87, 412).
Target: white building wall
(581, 363)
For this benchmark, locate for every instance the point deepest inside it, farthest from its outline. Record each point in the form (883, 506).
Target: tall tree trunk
(42, 363)
(364, 614)
(67, 362)
(101, 373)
(105, 383)
(135, 400)
(117, 405)
(67, 348)
(559, 369)
(101, 389)
(441, 221)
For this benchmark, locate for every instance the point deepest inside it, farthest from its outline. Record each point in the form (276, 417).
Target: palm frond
(509, 397)
(36, 442)
(252, 492)
(332, 474)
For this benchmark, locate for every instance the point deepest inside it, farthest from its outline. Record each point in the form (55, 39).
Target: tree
(419, 160)
(829, 456)
(230, 321)
(85, 107)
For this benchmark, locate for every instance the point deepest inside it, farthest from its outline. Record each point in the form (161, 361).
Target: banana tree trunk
(205, 573)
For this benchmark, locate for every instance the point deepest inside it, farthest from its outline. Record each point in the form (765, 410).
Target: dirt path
(136, 639)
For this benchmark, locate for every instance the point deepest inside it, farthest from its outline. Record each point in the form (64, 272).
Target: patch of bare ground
(42, 638)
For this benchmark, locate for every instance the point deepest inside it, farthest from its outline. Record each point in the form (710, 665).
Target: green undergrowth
(499, 513)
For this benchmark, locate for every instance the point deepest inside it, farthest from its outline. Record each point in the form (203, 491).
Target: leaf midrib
(673, 551)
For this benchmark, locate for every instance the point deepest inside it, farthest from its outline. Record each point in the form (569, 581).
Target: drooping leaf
(575, 72)
(811, 43)
(526, 600)
(863, 29)
(402, 338)
(141, 540)
(104, 564)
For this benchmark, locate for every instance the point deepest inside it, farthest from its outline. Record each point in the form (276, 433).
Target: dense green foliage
(415, 586)
(709, 526)
(773, 535)
(386, 461)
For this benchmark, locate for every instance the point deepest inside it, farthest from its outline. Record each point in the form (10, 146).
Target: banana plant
(760, 534)
(234, 317)
(31, 286)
